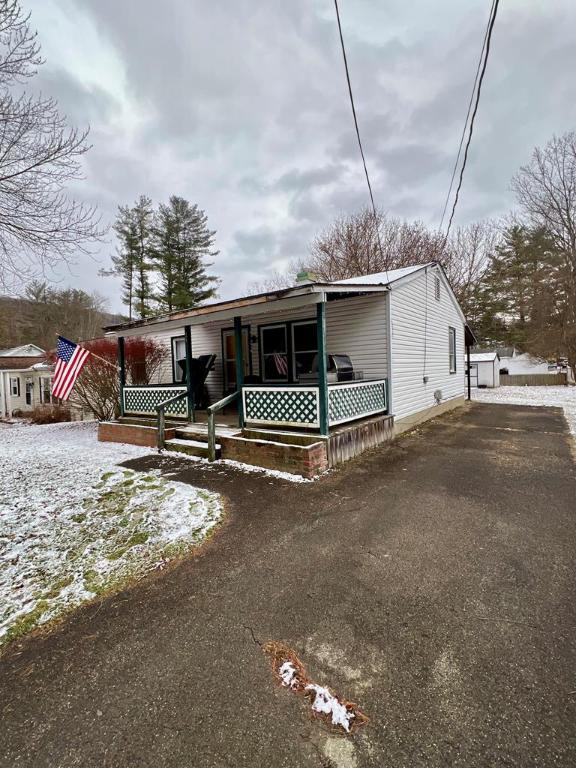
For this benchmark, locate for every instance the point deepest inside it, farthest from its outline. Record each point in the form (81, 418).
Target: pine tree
(142, 217)
(123, 260)
(182, 243)
(132, 262)
(518, 291)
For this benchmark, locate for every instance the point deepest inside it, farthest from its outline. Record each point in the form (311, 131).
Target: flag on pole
(71, 358)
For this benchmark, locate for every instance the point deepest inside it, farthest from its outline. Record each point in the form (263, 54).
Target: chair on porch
(201, 367)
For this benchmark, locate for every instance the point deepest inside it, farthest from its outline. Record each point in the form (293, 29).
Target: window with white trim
(178, 358)
(452, 349)
(15, 386)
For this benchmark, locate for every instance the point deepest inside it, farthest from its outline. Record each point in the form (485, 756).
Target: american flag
(71, 360)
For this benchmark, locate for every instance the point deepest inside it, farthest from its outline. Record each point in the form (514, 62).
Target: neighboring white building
(25, 380)
(485, 369)
(26, 350)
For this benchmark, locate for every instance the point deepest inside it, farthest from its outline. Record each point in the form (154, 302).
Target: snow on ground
(74, 525)
(561, 397)
(326, 704)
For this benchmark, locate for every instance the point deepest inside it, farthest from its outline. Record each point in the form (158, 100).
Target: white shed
(485, 369)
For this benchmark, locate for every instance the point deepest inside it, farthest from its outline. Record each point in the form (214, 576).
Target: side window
(178, 358)
(15, 386)
(452, 349)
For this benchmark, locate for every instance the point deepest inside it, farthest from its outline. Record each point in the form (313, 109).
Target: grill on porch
(292, 396)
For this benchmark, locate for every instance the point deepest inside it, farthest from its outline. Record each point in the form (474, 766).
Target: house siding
(10, 402)
(354, 326)
(416, 353)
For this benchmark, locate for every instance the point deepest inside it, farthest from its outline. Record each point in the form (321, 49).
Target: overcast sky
(241, 106)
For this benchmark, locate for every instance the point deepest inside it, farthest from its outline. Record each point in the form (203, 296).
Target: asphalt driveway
(432, 581)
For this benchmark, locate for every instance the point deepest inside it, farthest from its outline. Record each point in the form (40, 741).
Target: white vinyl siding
(420, 344)
(354, 326)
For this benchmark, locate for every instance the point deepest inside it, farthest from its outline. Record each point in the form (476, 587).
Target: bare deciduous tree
(275, 281)
(40, 226)
(546, 191)
(467, 258)
(360, 244)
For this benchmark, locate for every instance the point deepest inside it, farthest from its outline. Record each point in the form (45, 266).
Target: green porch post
(322, 374)
(239, 367)
(189, 383)
(122, 371)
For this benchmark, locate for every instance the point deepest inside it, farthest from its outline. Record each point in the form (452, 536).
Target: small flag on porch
(71, 358)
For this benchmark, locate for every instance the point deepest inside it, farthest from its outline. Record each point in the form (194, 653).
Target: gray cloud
(242, 107)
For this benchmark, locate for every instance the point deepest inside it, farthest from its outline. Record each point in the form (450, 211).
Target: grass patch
(126, 525)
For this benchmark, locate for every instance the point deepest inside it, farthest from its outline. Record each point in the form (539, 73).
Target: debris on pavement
(340, 714)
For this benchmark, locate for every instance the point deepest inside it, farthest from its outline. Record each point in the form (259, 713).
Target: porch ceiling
(245, 308)
(227, 313)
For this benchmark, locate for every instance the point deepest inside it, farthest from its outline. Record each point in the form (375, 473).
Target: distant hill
(24, 321)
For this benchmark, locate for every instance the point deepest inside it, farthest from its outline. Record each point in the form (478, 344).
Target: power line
(376, 223)
(467, 116)
(471, 128)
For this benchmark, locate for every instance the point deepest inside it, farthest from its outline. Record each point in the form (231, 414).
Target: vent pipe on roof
(305, 277)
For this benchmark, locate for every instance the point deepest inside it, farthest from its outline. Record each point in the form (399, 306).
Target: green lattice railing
(142, 401)
(282, 406)
(299, 406)
(356, 400)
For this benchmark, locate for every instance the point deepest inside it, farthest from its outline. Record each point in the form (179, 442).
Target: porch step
(191, 447)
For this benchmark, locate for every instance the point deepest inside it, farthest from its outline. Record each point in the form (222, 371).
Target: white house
(342, 364)
(485, 369)
(25, 379)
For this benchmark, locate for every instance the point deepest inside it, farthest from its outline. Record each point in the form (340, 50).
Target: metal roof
(484, 357)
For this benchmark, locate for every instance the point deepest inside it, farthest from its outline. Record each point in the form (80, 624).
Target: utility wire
(477, 101)
(376, 223)
(467, 117)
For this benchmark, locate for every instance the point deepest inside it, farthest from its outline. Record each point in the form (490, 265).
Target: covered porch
(291, 371)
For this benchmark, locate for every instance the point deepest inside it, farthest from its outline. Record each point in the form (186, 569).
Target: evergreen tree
(143, 217)
(132, 262)
(518, 292)
(182, 243)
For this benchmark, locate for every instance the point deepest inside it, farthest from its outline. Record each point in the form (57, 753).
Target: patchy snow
(73, 524)
(288, 674)
(561, 397)
(327, 704)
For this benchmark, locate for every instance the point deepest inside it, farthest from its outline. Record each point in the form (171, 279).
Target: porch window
(178, 358)
(15, 386)
(452, 349)
(305, 347)
(274, 352)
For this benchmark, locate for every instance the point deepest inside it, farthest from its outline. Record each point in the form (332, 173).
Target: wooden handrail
(161, 410)
(211, 410)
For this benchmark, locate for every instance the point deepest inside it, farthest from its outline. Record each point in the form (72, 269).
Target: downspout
(390, 387)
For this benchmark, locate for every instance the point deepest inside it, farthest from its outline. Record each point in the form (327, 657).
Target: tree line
(161, 256)
(43, 311)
